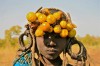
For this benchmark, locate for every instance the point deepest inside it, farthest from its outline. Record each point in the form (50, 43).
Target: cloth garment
(25, 59)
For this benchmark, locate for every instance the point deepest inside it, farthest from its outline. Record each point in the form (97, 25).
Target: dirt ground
(7, 56)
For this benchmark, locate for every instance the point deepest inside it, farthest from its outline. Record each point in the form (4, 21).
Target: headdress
(51, 20)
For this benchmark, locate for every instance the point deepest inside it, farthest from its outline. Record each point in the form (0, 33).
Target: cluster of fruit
(45, 21)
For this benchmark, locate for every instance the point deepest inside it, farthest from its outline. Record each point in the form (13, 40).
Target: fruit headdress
(51, 20)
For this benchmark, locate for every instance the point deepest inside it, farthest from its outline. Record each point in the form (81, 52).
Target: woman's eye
(46, 36)
(57, 36)
(46, 41)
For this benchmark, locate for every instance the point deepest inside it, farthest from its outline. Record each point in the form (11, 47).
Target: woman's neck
(55, 62)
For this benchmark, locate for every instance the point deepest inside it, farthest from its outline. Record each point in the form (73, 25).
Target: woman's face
(50, 46)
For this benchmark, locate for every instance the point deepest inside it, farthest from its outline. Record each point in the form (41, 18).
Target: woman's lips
(52, 51)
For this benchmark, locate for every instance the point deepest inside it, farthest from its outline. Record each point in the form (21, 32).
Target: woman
(50, 46)
(51, 38)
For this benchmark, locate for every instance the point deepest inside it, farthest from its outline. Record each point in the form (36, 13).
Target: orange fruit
(38, 14)
(57, 29)
(44, 26)
(60, 12)
(46, 11)
(69, 26)
(64, 33)
(72, 33)
(51, 19)
(74, 25)
(42, 18)
(31, 17)
(57, 15)
(39, 33)
(63, 24)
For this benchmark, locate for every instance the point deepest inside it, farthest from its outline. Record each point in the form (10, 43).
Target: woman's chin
(51, 57)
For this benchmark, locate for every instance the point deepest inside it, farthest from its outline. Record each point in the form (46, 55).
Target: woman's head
(51, 27)
(51, 45)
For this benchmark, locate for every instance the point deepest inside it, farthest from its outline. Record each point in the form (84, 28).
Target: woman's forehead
(51, 35)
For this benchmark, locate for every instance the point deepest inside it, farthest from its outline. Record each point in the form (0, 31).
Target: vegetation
(12, 34)
(89, 40)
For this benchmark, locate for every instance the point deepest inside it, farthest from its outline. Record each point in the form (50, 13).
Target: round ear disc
(81, 55)
(22, 42)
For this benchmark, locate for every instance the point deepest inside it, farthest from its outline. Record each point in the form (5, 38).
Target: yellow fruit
(74, 25)
(44, 26)
(57, 15)
(50, 29)
(51, 19)
(39, 33)
(38, 14)
(63, 24)
(64, 33)
(46, 11)
(42, 18)
(69, 26)
(72, 33)
(57, 29)
(60, 12)
(31, 17)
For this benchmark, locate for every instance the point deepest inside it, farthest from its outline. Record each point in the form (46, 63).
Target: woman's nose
(52, 43)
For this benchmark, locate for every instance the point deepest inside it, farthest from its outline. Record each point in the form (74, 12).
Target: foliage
(2, 42)
(12, 34)
(89, 40)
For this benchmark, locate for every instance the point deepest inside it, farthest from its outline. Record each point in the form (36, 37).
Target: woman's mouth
(52, 51)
